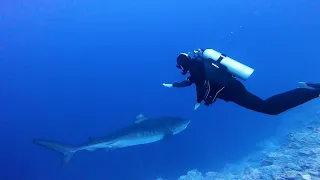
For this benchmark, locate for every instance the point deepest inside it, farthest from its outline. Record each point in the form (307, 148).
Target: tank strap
(222, 56)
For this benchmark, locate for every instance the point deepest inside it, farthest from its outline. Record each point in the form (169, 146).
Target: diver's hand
(167, 85)
(196, 106)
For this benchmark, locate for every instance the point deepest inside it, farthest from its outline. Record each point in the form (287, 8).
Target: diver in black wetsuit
(213, 81)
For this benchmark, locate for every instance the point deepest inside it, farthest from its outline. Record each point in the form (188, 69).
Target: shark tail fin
(66, 150)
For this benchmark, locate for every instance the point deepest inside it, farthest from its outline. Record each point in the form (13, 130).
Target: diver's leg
(237, 93)
(275, 104)
(290, 99)
(250, 101)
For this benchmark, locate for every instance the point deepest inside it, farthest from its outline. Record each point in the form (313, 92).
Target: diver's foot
(309, 85)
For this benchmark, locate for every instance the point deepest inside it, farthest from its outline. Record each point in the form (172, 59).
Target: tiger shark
(144, 130)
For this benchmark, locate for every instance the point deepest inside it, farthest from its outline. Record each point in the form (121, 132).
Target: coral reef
(297, 157)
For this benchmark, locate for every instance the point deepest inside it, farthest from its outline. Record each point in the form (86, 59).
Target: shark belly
(92, 147)
(123, 142)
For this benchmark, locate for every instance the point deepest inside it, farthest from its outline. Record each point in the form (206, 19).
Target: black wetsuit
(228, 88)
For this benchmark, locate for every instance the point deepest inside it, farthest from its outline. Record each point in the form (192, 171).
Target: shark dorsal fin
(140, 118)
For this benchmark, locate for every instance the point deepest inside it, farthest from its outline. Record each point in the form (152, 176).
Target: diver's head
(183, 63)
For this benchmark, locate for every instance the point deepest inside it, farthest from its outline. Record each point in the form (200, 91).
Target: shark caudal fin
(66, 150)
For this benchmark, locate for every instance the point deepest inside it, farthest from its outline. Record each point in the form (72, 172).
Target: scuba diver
(215, 77)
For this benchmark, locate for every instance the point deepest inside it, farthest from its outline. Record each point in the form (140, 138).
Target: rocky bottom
(296, 158)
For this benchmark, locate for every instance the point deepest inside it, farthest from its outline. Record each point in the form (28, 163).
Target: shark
(143, 130)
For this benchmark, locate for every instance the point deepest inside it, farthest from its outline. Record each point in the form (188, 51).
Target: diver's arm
(181, 84)
(199, 99)
(184, 83)
(200, 95)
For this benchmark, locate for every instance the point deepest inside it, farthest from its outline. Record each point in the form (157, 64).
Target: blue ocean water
(75, 69)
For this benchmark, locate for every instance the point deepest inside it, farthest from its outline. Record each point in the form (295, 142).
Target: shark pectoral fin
(168, 135)
(109, 149)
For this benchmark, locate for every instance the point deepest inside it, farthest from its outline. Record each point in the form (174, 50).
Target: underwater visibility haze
(71, 70)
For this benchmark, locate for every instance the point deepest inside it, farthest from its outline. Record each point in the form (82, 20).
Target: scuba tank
(234, 67)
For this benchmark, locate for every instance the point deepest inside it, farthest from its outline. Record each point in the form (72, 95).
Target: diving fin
(309, 85)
